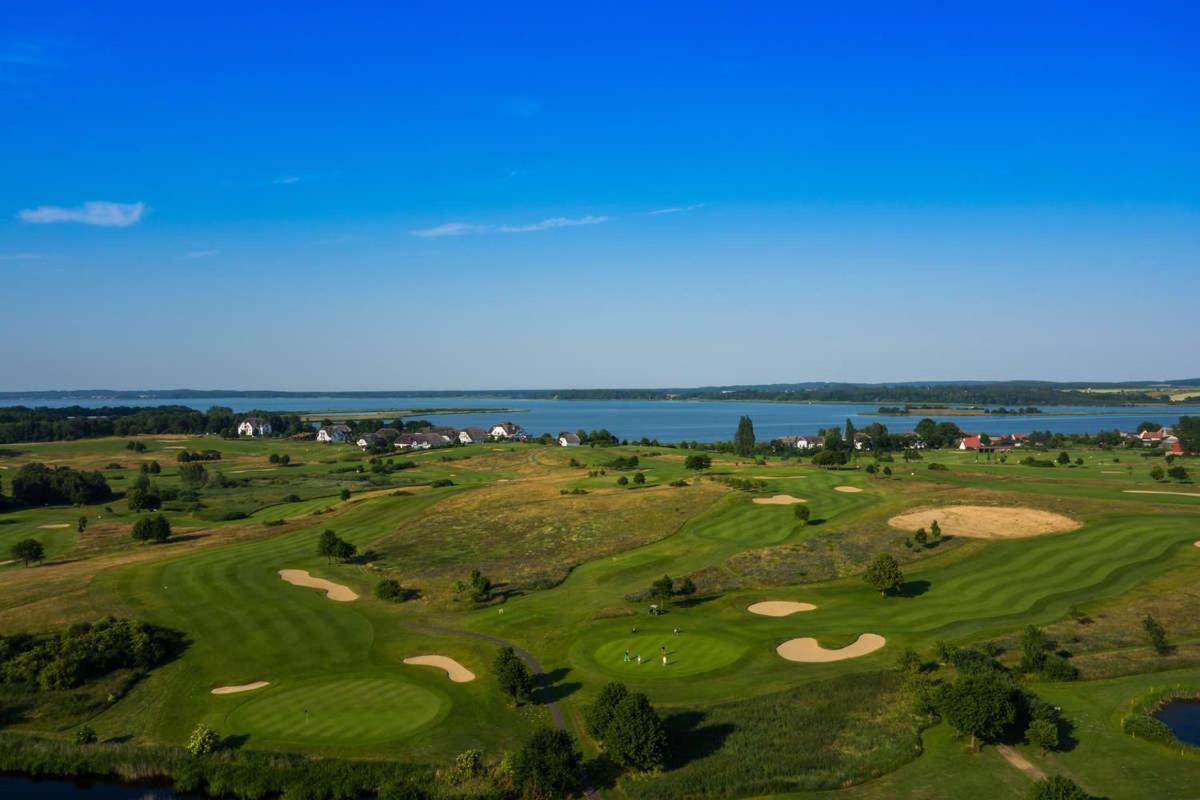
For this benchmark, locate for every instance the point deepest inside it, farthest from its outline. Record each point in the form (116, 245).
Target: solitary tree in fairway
(547, 766)
(81, 526)
(980, 705)
(327, 545)
(28, 551)
(203, 741)
(803, 513)
(1156, 473)
(697, 461)
(513, 675)
(662, 589)
(884, 574)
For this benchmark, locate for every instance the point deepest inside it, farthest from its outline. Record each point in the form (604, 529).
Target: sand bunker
(245, 687)
(847, 489)
(454, 670)
(56, 525)
(808, 651)
(1197, 543)
(1127, 491)
(778, 500)
(779, 608)
(986, 522)
(334, 591)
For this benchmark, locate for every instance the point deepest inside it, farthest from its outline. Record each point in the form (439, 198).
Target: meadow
(572, 553)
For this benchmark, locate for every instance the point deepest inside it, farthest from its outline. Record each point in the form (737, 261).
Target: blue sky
(401, 196)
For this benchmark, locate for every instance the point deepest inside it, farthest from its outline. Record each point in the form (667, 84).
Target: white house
(369, 440)
(505, 430)
(801, 442)
(334, 433)
(409, 441)
(472, 435)
(569, 440)
(254, 426)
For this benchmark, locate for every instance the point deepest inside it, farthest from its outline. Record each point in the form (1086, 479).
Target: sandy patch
(1111, 472)
(778, 500)
(334, 591)
(808, 651)
(1137, 491)
(847, 489)
(245, 687)
(1020, 762)
(13, 560)
(175, 447)
(454, 670)
(779, 608)
(1197, 543)
(55, 525)
(986, 522)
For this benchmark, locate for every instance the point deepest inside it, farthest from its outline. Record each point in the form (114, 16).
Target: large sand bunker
(986, 522)
(778, 500)
(55, 526)
(848, 489)
(779, 608)
(808, 651)
(454, 670)
(334, 591)
(1127, 491)
(245, 687)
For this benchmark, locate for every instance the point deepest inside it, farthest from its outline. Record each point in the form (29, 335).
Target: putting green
(344, 711)
(687, 654)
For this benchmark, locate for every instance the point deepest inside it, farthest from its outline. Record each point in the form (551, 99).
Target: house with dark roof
(505, 430)
(472, 435)
(254, 426)
(569, 440)
(335, 433)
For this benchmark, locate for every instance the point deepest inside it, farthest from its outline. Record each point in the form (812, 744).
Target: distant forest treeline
(1006, 393)
(22, 424)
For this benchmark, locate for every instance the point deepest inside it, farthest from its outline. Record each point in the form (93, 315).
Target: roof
(341, 429)
(255, 421)
(570, 437)
(476, 433)
(509, 427)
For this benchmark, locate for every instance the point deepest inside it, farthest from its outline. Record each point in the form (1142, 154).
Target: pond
(1183, 718)
(57, 789)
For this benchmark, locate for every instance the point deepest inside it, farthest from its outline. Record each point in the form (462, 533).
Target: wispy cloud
(286, 180)
(109, 215)
(551, 223)
(448, 229)
(464, 228)
(675, 209)
(200, 253)
(22, 256)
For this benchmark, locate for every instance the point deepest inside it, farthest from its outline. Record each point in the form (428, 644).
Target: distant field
(572, 552)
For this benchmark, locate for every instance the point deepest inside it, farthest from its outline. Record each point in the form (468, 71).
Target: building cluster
(982, 442)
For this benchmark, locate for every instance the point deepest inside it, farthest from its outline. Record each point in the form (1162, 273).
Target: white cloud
(199, 253)
(463, 228)
(111, 215)
(551, 223)
(448, 229)
(22, 257)
(675, 209)
(286, 180)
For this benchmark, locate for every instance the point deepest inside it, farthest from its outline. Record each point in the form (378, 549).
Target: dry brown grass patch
(986, 522)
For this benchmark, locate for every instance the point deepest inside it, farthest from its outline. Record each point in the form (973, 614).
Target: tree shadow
(603, 771)
(690, 739)
(366, 557)
(913, 588)
(235, 741)
(699, 600)
(553, 688)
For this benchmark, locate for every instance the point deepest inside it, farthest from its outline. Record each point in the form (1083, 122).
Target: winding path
(556, 715)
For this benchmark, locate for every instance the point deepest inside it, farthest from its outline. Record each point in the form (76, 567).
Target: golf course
(775, 668)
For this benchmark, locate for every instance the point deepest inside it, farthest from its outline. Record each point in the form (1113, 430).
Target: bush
(547, 766)
(936, 467)
(204, 740)
(1056, 787)
(440, 482)
(635, 736)
(391, 590)
(697, 461)
(1144, 726)
(85, 735)
(152, 529)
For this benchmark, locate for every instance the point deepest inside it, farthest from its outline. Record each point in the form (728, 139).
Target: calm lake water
(672, 421)
(17, 787)
(1183, 718)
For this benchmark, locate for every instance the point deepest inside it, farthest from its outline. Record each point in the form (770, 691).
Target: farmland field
(572, 554)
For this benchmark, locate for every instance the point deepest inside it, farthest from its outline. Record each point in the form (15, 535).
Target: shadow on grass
(554, 689)
(690, 739)
(693, 602)
(913, 588)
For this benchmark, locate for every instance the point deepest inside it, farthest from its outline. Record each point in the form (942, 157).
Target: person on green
(627, 656)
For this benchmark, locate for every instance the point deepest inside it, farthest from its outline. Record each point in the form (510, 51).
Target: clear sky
(397, 195)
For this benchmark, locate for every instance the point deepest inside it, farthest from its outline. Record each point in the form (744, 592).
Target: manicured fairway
(349, 711)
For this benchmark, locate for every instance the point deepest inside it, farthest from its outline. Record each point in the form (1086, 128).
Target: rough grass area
(530, 536)
(821, 736)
